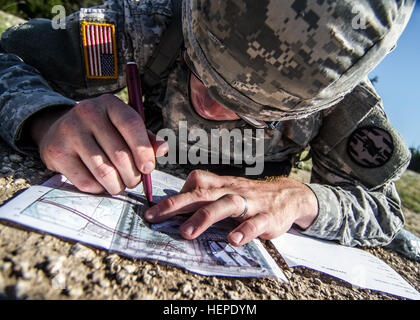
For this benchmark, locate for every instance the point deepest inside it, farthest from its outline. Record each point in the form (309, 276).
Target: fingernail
(148, 167)
(188, 229)
(236, 237)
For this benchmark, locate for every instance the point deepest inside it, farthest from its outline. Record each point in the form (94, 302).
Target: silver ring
(245, 210)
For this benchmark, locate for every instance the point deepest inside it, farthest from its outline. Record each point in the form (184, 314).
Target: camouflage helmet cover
(286, 59)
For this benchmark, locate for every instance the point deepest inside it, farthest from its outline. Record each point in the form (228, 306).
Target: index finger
(229, 205)
(183, 203)
(131, 127)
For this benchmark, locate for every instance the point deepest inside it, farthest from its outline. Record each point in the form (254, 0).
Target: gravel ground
(35, 265)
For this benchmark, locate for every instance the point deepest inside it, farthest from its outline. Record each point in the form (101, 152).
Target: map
(116, 223)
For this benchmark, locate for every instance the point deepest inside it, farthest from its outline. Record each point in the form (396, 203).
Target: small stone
(75, 292)
(187, 290)
(7, 267)
(15, 158)
(6, 170)
(95, 277)
(238, 286)
(146, 278)
(153, 273)
(55, 264)
(317, 282)
(20, 181)
(82, 252)
(96, 263)
(21, 288)
(104, 283)
(130, 268)
(25, 270)
(29, 164)
(122, 276)
(112, 258)
(59, 281)
(232, 295)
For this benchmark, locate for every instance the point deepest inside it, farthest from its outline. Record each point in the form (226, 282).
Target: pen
(135, 101)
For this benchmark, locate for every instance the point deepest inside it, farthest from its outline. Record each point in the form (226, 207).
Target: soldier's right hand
(100, 144)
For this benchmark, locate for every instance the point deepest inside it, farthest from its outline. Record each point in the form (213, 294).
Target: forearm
(354, 216)
(23, 93)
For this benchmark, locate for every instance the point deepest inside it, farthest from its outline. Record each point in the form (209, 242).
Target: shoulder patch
(100, 52)
(370, 146)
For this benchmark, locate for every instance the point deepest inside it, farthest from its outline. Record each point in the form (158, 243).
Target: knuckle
(66, 127)
(236, 199)
(132, 125)
(121, 158)
(54, 151)
(104, 170)
(251, 226)
(206, 214)
(88, 110)
(196, 176)
(202, 193)
(169, 204)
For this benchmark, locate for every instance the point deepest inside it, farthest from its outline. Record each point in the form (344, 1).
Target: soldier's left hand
(272, 206)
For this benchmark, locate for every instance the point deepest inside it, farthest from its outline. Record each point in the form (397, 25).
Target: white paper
(358, 267)
(117, 224)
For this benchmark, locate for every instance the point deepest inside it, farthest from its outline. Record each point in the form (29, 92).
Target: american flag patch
(100, 50)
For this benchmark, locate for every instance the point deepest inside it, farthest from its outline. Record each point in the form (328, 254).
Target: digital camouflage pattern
(279, 60)
(358, 205)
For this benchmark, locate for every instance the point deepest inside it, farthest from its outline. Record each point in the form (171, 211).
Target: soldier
(297, 69)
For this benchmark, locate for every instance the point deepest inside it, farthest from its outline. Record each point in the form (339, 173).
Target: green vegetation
(305, 161)
(415, 159)
(409, 184)
(8, 20)
(409, 190)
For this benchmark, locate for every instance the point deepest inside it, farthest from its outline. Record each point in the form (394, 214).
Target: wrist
(40, 122)
(308, 208)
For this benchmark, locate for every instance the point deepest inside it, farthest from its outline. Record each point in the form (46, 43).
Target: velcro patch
(370, 147)
(100, 50)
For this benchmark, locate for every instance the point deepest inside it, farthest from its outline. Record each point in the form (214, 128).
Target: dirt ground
(34, 265)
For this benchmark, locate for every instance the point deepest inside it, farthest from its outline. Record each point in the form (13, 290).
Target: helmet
(287, 59)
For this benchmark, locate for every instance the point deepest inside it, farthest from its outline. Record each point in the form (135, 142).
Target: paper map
(116, 224)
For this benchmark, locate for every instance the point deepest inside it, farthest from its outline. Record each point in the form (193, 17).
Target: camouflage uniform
(357, 154)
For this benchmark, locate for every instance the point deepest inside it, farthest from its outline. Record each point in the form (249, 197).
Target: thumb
(160, 146)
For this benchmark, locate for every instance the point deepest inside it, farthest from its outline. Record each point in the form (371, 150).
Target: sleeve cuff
(14, 116)
(328, 222)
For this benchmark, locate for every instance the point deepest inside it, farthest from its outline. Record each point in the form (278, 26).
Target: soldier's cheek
(205, 105)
